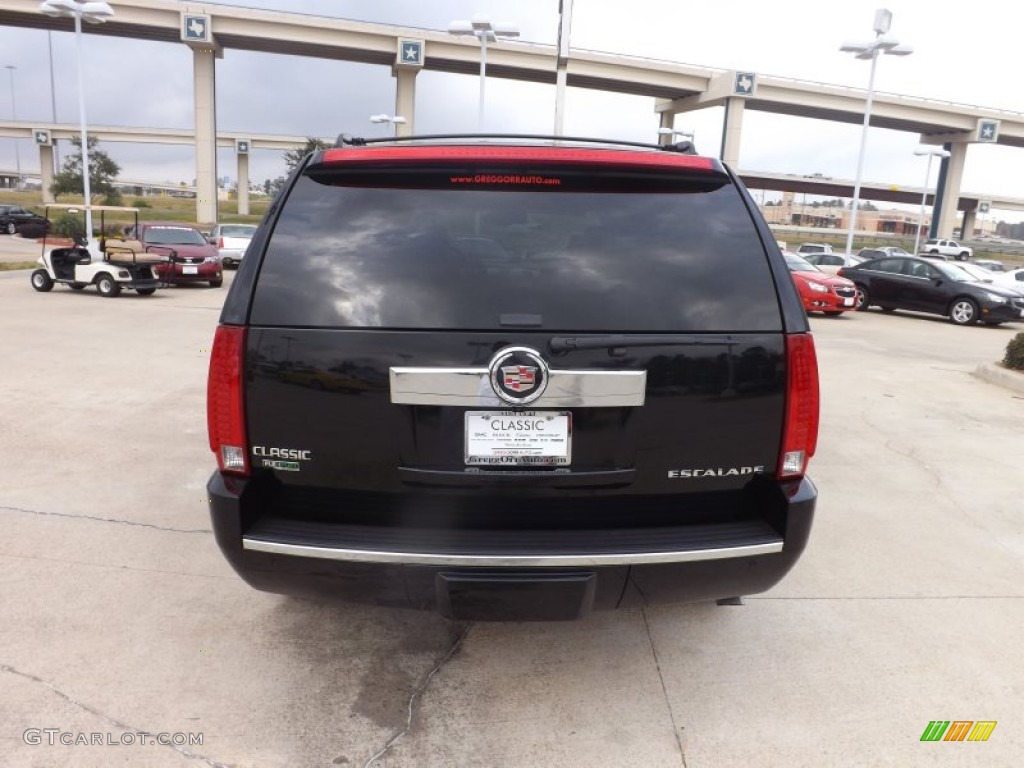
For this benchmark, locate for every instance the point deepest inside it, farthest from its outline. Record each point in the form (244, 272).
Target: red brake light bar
(800, 431)
(225, 414)
(551, 156)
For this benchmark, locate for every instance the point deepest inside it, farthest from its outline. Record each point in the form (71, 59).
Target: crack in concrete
(105, 520)
(106, 718)
(664, 690)
(415, 694)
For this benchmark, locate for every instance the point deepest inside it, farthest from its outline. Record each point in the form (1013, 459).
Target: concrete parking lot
(119, 616)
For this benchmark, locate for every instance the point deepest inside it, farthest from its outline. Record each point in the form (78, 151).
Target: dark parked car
(512, 380)
(937, 287)
(192, 258)
(17, 220)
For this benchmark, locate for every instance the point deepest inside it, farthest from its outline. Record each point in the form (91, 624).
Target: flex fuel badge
(288, 466)
(285, 459)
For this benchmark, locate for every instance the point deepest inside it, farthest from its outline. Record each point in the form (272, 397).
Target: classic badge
(518, 375)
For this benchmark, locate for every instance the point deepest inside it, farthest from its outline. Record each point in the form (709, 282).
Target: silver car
(231, 240)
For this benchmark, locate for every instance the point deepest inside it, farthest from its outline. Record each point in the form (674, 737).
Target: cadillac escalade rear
(512, 381)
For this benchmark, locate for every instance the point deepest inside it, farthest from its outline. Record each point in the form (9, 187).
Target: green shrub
(140, 203)
(1015, 353)
(69, 225)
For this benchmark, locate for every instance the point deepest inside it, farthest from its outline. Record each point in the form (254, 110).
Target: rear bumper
(204, 271)
(504, 575)
(231, 255)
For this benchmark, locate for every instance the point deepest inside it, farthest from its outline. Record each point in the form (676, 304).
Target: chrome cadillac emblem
(519, 378)
(518, 375)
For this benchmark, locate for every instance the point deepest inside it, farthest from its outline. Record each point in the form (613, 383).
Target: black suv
(512, 379)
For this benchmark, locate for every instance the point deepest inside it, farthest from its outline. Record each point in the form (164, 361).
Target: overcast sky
(963, 53)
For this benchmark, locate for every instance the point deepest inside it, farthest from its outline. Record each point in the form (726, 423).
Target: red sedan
(192, 258)
(820, 291)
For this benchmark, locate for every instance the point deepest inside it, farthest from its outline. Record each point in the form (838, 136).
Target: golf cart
(112, 264)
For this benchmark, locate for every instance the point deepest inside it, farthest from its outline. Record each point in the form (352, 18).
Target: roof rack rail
(346, 140)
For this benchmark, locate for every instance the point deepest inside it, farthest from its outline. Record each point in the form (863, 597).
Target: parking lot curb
(996, 374)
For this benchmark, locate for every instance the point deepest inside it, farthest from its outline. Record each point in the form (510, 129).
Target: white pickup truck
(948, 248)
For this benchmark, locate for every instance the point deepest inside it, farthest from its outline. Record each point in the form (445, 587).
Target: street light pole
(881, 44)
(53, 102)
(484, 31)
(14, 116)
(87, 192)
(931, 152)
(94, 13)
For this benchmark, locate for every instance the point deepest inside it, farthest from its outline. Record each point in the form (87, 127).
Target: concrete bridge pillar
(665, 121)
(967, 230)
(951, 174)
(46, 170)
(732, 128)
(205, 89)
(405, 99)
(243, 183)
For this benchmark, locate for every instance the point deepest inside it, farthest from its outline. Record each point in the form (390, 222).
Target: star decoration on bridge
(411, 52)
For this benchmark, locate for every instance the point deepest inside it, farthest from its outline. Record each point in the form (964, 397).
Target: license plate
(518, 438)
(190, 270)
(847, 302)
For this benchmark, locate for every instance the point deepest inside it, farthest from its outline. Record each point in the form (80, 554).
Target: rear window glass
(174, 236)
(451, 256)
(238, 230)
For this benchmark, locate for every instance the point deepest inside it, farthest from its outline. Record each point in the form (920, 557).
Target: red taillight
(800, 431)
(220, 242)
(225, 413)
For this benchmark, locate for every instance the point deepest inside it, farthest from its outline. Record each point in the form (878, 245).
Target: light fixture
(486, 32)
(94, 13)
(396, 121)
(881, 44)
(687, 133)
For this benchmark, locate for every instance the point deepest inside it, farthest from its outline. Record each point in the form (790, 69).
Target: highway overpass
(675, 87)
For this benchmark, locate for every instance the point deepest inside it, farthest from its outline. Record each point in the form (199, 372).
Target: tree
(102, 172)
(295, 156)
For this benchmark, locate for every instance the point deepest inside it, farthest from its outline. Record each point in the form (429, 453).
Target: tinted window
(797, 264)
(173, 236)
(920, 269)
(479, 259)
(893, 266)
(237, 230)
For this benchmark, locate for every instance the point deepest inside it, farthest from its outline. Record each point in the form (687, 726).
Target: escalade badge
(518, 375)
